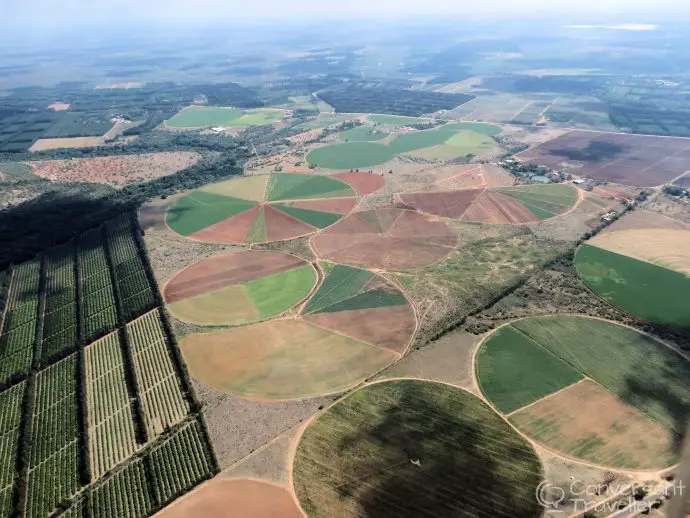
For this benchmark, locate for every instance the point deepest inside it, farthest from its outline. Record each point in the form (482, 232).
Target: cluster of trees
(369, 98)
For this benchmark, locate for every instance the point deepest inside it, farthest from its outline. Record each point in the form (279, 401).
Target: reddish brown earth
(231, 231)
(280, 226)
(390, 328)
(335, 206)
(223, 270)
(496, 208)
(449, 204)
(635, 160)
(412, 239)
(363, 183)
(242, 498)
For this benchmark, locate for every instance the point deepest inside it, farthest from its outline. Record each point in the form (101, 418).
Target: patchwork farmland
(97, 404)
(207, 116)
(355, 324)
(360, 148)
(259, 209)
(636, 160)
(533, 371)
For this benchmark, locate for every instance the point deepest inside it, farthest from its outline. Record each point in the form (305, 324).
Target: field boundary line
(546, 447)
(584, 378)
(595, 381)
(398, 355)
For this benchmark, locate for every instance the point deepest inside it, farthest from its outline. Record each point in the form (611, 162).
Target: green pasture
(205, 116)
(514, 371)
(286, 186)
(198, 210)
(639, 370)
(356, 458)
(276, 293)
(257, 232)
(396, 120)
(362, 134)
(372, 299)
(350, 155)
(544, 201)
(651, 292)
(315, 218)
(341, 283)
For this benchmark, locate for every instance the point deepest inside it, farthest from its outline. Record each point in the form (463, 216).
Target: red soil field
(635, 160)
(448, 204)
(232, 230)
(334, 206)
(223, 270)
(412, 239)
(363, 183)
(390, 328)
(280, 226)
(242, 498)
(497, 209)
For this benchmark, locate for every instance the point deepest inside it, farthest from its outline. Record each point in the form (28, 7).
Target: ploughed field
(637, 160)
(541, 372)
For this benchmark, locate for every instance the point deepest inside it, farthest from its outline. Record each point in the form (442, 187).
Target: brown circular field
(242, 498)
(499, 206)
(386, 238)
(239, 287)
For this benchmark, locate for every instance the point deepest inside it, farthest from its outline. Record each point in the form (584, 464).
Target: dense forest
(366, 98)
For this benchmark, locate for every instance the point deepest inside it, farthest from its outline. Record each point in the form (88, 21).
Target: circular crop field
(262, 208)
(239, 288)
(543, 372)
(500, 205)
(419, 448)
(645, 272)
(350, 155)
(355, 324)
(386, 238)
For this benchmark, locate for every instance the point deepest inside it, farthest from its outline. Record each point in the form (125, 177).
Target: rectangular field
(54, 459)
(160, 393)
(603, 434)
(636, 160)
(10, 419)
(18, 337)
(60, 317)
(111, 423)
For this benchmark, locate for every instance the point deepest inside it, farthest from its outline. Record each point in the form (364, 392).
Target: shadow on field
(645, 391)
(594, 152)
(458, 474)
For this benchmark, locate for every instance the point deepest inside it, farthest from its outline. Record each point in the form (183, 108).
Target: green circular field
(350, 155)
(420, 448)
(540, 372)
(650, 291)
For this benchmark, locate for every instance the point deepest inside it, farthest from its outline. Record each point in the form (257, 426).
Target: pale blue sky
(63, 12)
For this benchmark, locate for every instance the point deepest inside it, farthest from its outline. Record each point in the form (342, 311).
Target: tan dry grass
(665, 247)
(588, 422)
(59, 107)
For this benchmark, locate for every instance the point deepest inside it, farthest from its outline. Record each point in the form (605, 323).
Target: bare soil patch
(495, 176)
(220, 498)
(280, 226)
(635, 160)
(610, 433)
(664, 247)
(225, 270)
(115, 170)
(390, 328)
(363, 183)
(232, 230)
(671, 207)
(448, 360)
(334, 206)
(412, 240)
(574, 224)
(498, 209)
(614, 191)
(238, 427)
(449, 204)
(59, 107)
